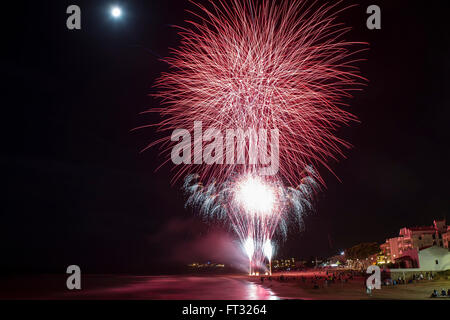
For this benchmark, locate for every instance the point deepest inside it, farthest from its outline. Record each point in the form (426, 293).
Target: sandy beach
(355, 289)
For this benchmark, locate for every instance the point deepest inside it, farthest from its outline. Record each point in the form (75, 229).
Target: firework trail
(259, 65)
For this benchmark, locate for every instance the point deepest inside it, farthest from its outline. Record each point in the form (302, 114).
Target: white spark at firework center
(268, 250)
(255, 195)
(249, 247)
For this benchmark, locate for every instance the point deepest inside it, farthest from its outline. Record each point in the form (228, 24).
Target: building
(207, 265)
(386, 252)
(417, 238)
(382, 258)
(446, 238)
(284, 264)
(434, 259)
(430, 259)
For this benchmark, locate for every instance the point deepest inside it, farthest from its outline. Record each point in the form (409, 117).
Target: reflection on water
(256, 292)
(172, 287)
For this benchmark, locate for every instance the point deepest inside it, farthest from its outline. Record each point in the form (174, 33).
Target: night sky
(77, 190)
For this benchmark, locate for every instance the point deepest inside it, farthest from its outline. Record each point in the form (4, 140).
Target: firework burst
(276, 64)
(248, 65)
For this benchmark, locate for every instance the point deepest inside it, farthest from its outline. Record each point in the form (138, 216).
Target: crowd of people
(316, 281)
(443, 294)
(403, 280)
(328, 278)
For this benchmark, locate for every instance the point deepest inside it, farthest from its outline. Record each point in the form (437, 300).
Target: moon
(116, 12)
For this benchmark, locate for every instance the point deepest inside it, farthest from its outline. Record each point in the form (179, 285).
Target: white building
(430, 259)
(434, 259)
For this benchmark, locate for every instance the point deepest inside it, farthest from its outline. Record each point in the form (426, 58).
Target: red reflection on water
(176, 288)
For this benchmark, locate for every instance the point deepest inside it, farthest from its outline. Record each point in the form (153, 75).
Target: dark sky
(77, 190)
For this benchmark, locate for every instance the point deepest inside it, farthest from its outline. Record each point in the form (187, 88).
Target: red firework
(270, 64)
